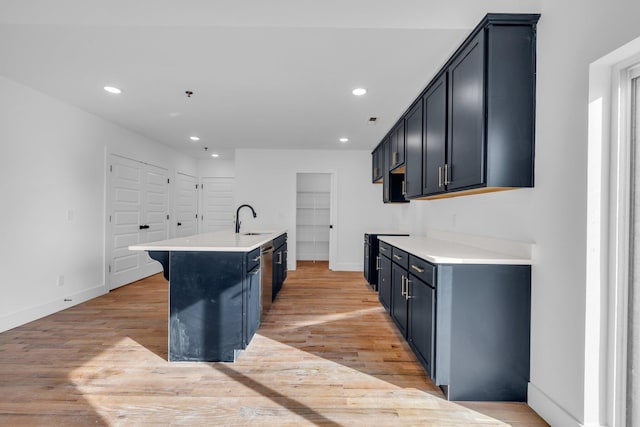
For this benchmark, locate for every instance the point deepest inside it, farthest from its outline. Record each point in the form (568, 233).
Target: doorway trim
(333, 208)
(609, 175)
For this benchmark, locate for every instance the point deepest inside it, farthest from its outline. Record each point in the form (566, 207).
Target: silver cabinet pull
(439, 176)
(396, 256)
(402, 285)
(279, 258)
(254, 272)
(446, 174)
(406, 293)
(378, 262)
(256, 258)
(418, 269)
(383, 249)
(404, 187)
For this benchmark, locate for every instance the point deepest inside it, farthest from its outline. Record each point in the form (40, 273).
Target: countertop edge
(176, 245)
(439, 251)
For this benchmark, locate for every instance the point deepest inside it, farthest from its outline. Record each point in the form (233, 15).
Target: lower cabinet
(398, 299)
(279, 265)
(421, 322)
(468, 325)
(384, 281)
(253, 304)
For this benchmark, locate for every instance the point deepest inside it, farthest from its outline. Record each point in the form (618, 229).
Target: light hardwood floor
(326, 354)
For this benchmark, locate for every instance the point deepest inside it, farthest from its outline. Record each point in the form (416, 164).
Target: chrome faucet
(238, 216)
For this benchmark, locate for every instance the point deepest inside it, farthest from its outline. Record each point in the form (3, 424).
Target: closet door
(139, 196)
(218, 210)
(186, 207)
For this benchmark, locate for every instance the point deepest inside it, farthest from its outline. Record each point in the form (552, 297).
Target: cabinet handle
(256, 259)
(396, 256)
(279, 262)
(383, 249)
(406, 293)
(394, 157)
(254, 272)
(439, 176)
(446, 174)
(418, 269)
(402, 286)
(404, 187)
(378, 262)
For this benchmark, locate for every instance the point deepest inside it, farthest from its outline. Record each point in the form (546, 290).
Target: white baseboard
(552, 413)
(22, 317)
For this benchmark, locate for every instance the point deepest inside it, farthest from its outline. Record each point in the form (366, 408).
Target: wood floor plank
(326, 354)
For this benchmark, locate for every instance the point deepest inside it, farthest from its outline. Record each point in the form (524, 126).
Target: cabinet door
(253, 303)
(413, 144)
(285, 265)
(376, 164)
(398, 300)
(397, 145)
(435, 137)
(384, 282)
(466, 150)
(421, 330)
(366, 263)
(386, 187)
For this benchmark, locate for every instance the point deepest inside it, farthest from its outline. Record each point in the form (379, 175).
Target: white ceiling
(265, 74)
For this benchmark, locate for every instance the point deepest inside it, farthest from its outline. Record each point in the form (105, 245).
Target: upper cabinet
(413, 149)
(393, 183)
(435, 137)
(472, 129)
(377, 164)
(397, 148)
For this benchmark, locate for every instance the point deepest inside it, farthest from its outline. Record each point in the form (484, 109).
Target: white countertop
(445, 251)
(217, 241)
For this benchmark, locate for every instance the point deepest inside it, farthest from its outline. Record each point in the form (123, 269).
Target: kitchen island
(215, 291)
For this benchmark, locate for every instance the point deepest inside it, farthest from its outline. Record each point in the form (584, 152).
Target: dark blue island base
(214, 303)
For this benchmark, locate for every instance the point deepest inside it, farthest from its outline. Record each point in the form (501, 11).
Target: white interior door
(186, 221)
(138, 214)
(217, 204)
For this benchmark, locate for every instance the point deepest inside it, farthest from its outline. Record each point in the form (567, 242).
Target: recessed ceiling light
(112, 89)
(194, 138)
(344, 140)
(215, 155)
(359, 91)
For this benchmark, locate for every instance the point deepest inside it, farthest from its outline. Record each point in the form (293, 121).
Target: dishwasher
(266, 277)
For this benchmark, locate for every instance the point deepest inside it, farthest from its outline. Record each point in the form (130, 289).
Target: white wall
(571, 35)
(217, 168)
(266, 179)
(52, 186)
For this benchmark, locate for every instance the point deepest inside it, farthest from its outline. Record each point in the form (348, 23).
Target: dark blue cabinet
(413, 145)
(479, 116)
(398, 299)
(421, 296)
(279, 265)
(385, 276)
(435, 137)
(465, 144)
(468, 325)
(393, 183)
